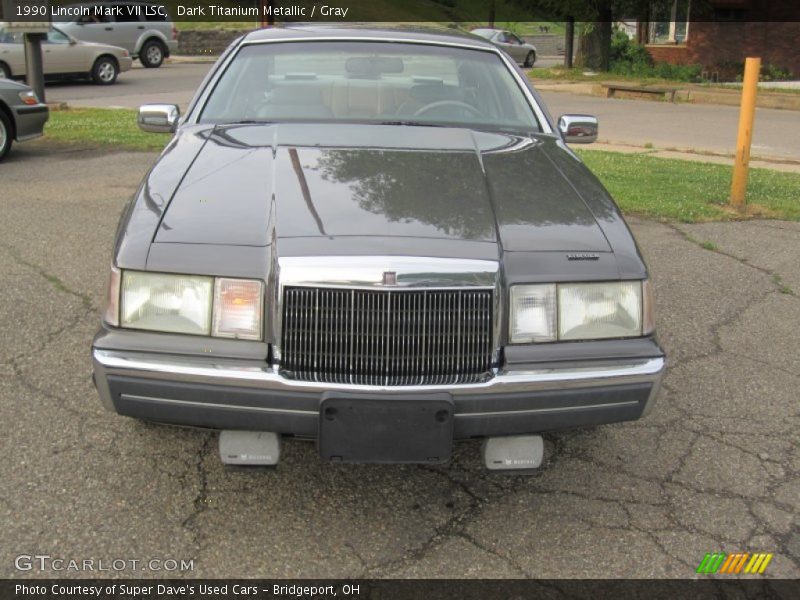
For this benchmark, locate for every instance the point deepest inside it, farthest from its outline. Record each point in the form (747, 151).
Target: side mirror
(578, 129)
(158, 118)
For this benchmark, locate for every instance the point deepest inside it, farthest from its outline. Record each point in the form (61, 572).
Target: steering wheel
(456, 103)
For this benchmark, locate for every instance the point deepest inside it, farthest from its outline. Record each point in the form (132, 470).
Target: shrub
(632, 59)
(772, 72)
(628, 55)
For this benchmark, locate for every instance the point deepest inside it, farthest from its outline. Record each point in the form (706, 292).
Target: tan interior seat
(360, 98)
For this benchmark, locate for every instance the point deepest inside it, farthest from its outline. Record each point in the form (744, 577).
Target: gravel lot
(715, 467)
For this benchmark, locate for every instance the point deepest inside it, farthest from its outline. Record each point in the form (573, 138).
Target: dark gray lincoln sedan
(379, 240)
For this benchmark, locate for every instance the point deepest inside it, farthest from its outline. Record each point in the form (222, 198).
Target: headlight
(533, 313)
(588, 311)
(169, 303)
(192, 304)
(580, 311)
(29, 98)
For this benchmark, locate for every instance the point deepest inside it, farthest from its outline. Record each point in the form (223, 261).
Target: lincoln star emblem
(389, 278)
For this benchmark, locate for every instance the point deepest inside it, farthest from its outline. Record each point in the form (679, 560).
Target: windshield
(484, 33)
(395, 83)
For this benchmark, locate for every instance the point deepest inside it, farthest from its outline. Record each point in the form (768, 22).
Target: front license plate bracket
(388, 430)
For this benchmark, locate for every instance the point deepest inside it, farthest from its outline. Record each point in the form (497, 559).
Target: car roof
(432, 35)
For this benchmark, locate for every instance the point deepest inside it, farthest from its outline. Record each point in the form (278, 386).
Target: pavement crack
(775, 278)
(452, 527)
(766, 363)
(52, 279)
(488, 550)
(200, 501)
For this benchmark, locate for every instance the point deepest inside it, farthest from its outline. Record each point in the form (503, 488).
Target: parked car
(64, 57)
(144, 29)
(379, 240)
(521, 51)
(22, 116)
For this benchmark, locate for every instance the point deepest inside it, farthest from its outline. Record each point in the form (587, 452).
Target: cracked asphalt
(716, 466)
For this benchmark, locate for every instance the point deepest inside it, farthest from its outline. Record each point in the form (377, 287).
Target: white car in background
(521, 51)
(64, 57)
(143, 29)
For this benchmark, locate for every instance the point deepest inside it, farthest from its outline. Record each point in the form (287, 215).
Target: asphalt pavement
(662, 125)
(715, 467)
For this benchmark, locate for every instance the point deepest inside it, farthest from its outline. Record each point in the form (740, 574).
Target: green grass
(643, 185)
(582, 74)
(782, 287)
(690, 191)
(99, 127)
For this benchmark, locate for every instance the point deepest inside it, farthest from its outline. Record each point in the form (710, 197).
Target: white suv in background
(143, 29)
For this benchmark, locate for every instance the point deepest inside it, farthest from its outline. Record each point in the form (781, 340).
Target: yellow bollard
(752, 66)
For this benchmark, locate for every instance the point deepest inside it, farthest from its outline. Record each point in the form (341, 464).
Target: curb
(756, 162)
(690, 95)
(194, 59)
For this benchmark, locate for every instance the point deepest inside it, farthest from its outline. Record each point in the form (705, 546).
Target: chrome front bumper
(245, 394)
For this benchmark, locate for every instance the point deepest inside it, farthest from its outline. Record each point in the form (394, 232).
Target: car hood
(14, 86)
(116, 50)
(315, 187)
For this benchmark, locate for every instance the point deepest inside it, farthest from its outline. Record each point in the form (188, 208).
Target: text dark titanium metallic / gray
(374, 215)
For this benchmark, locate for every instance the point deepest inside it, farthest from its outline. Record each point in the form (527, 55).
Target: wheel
(105, 71)
(152, 54)
(6, 135)
(5, 72)
(530, 59)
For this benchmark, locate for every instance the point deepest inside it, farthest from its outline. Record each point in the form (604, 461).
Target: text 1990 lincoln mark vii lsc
(381, 241)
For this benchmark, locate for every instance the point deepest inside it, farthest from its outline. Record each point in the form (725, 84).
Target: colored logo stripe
(720, 562)
(758, 563)
(734, 563)
(711, 562)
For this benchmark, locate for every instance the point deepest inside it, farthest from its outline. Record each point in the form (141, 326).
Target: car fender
(146, 35)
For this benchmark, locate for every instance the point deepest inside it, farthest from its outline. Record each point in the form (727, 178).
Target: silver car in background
(64, 57)
(143, 29)
(22, 115)
(522, 52)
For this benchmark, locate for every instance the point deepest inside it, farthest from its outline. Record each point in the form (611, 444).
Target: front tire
(5, 71)
(530, 59)
(105, 71)
(6, 134)
(152, 54)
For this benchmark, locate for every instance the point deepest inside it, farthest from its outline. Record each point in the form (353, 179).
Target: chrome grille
(387, 337)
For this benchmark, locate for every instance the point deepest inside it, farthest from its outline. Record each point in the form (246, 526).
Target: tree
(598, 17)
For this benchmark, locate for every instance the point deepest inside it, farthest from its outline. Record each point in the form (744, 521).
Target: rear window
(369, 82)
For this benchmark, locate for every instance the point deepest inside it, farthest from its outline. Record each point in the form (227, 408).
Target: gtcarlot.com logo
(45, 562)
(734, 564)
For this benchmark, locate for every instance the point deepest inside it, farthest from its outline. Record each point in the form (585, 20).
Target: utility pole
(569, 42)
(34, 68)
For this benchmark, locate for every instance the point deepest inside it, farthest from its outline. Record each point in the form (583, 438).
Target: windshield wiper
(246, 122)
(412, 123)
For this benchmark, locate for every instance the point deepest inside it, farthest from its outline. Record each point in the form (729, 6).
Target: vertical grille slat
(392, 337)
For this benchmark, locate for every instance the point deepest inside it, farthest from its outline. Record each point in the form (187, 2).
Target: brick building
(727, 31)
